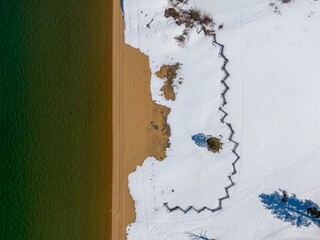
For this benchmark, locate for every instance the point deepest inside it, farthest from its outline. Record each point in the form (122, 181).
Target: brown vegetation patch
(190, 19)
(175, 3)
(214, 144)
(169, 73)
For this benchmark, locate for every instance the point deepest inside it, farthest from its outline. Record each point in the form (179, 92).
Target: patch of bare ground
(160, 131)
(169, 73)
(189, 18)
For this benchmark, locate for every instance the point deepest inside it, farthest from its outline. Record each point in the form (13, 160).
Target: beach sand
(139, 125)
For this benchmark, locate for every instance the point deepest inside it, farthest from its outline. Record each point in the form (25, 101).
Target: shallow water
(55, 132)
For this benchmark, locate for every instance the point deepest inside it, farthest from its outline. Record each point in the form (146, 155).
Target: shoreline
(135, 116)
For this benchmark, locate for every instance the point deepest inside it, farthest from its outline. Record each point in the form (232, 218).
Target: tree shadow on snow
(292, 210)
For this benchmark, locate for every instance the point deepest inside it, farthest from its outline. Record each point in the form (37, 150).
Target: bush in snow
(214, 144)
(190, 19)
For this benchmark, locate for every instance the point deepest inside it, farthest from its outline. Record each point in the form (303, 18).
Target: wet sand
(139, 125)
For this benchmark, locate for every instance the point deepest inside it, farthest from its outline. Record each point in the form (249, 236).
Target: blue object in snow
(200, 139)
(293, 210)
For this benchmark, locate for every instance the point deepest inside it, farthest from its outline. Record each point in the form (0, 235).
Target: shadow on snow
(293, 210)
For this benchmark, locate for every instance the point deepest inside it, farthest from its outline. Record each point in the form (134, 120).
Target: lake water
(55, 121)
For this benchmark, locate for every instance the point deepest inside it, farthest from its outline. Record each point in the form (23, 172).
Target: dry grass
(176, 3)
(190, 19)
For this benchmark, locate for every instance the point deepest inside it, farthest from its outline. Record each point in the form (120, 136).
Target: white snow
(272, 105)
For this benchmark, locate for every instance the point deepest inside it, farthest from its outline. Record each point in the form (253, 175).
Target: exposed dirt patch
(160, 130)
(169, 73)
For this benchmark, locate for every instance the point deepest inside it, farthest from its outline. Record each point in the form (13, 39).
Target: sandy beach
(139, 125)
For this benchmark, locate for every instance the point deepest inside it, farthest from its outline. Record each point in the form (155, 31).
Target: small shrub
(314, 212)
(206, 20)
(172, 12)
(214, 144)
(181, 40)
(175, 3)
(189, 18)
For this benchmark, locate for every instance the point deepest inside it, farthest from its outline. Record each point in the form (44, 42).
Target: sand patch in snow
(160, 130)
(169, 73)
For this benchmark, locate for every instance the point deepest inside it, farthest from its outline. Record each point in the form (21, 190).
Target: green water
(55, 119)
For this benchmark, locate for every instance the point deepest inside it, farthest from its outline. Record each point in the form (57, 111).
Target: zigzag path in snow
(230, 138)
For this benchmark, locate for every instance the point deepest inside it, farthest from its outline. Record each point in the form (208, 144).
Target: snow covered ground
(272, 105)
